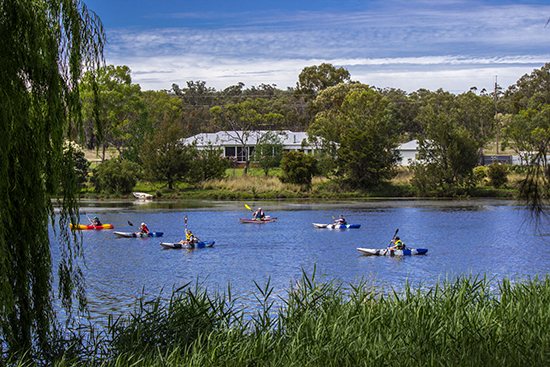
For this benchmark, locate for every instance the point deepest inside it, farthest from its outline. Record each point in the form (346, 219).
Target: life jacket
(190, 236)
(399, 245)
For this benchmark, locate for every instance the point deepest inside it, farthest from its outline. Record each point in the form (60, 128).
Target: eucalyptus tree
(367, 154)
(122, 108)
(314, 79)
(45, 45)
(528, 133)
(455, 130)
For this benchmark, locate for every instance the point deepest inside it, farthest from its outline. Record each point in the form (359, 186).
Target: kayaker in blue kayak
(397, 244)
(258, 214)
(190, 237)
(341, 220)
(143, 228)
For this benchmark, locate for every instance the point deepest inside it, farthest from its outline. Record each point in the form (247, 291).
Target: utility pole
(496, 112)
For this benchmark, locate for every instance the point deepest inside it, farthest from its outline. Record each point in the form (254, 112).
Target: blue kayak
(138, 234)
(336, 226)
(201, 244)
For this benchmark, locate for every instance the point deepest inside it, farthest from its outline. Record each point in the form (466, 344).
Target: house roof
(411, 145)
(228, 138)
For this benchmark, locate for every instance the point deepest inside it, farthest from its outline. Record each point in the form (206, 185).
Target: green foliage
(498, 174)
(528, 133)
(455, 130)
(480, 173)
(367, 152)
(74, 154)
(45, 46)
(467, 321)
(165, 157)
(116, 175)
(209, 163)
(298, 168)
(123, 114)
(314, 79)
(269, 152)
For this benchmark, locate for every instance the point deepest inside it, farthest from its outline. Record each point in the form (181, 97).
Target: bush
(116, 175)
(298, 168)
(480, 173)
(498, 174)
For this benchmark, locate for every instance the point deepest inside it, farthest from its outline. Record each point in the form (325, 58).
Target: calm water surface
(487, 237)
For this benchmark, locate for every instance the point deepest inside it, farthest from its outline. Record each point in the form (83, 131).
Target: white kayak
(386, 252)
(336, 226)
(138, 234)
(186, 245)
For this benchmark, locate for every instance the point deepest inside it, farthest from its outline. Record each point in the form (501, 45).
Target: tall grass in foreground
(465, 322)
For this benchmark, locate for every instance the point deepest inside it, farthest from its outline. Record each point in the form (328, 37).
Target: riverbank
(256, 185)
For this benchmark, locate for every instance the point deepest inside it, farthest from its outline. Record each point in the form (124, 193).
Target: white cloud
(437, 46)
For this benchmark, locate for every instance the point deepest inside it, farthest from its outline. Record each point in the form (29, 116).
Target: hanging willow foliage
(45, 46)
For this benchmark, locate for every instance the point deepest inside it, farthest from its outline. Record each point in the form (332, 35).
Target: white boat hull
(386, 252)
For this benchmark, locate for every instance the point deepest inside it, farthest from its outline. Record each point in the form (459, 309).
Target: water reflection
(475, 236)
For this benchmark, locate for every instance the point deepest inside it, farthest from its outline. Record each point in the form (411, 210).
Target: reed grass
(468, 321)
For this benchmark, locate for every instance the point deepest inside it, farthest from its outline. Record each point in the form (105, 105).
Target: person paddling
(143, 228)
(96, 222)
(190, 238)
(341, 220)
(396, 244)
(258, 214)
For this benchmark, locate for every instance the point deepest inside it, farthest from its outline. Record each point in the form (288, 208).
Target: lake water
(487, 237)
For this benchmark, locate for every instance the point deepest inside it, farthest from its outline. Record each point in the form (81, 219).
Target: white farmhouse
(232, 147)
(409, 153)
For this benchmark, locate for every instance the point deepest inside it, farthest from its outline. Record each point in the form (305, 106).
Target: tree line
(354, 127)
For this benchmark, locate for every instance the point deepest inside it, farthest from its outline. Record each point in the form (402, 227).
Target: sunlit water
(486, 237)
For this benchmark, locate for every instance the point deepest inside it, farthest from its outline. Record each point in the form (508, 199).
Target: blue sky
(449, 44)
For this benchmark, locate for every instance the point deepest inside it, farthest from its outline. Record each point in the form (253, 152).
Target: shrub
(480, 173)
(498, 174)
(298, 168)
(116, 175)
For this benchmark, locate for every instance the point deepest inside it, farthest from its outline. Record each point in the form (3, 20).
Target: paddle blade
(247, 207)
(185, 219)
(130, 224)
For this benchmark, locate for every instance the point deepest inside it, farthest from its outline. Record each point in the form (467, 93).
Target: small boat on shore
(142, 195)
(90, 226)
(201, 244)
(386, 252)
(336, 226)
(138, 234)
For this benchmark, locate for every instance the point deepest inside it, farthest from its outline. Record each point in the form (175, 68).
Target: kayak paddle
(395, 234)
(247, 207)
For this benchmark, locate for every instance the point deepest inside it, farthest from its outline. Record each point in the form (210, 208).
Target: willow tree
(45, 46)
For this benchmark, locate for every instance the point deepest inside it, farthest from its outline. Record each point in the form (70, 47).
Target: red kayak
(257, 221)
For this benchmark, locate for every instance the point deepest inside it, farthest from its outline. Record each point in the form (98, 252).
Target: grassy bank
(469, 321)
(256, 185)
